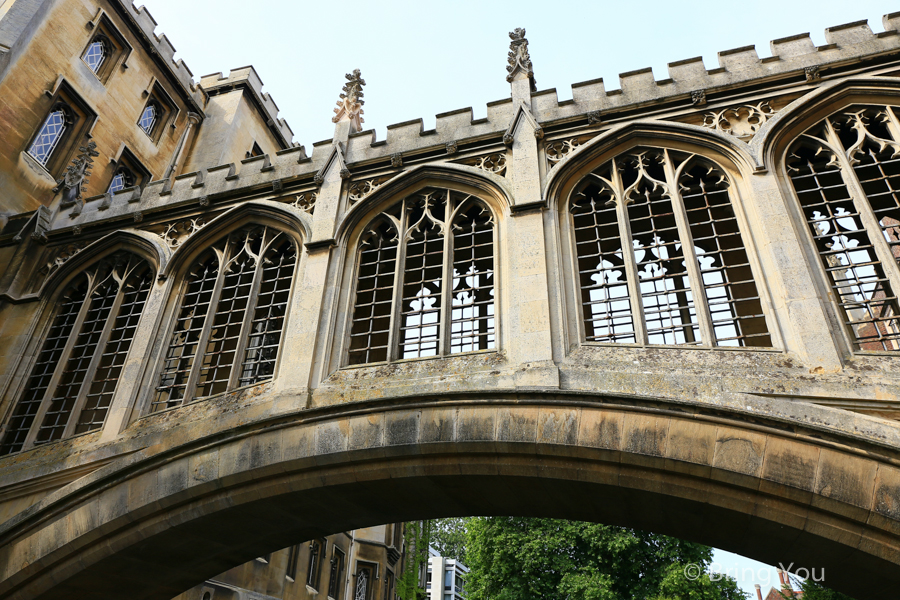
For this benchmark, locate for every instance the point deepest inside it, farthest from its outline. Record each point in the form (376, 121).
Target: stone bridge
(563, 347)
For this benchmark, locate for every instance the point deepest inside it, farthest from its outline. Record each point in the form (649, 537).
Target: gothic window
(363, 581)
(255, 150)
(336, 575)
(228, 326)
(122, 179)
(316, 553)
(441, 242)
(846, 173)
(293, 556)
(388, 584)
(660, 255)
(72, 383)
(150, 117)
(97, 52)
(50, 134)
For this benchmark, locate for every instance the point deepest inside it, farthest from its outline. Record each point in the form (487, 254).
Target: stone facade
(667, 305)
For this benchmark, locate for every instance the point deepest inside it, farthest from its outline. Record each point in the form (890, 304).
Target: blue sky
(421, 58)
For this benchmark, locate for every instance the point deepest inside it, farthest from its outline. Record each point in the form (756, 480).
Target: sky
(420, 58)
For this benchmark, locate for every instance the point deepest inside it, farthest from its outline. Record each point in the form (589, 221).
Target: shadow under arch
(141, 243)
(770, 142)
(289, 218)
(709, 144)
(494, 190)
(756, 480)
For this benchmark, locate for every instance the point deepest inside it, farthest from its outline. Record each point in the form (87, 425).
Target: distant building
(445, 579)
(780, 593)
(356, 565)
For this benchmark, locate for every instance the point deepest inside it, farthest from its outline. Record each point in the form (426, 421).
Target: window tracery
(441, 242)
(149, 118)
(122, 179)
(83, 354)
(660, 255)
(97, 52)
(846, 173)
(230, 320)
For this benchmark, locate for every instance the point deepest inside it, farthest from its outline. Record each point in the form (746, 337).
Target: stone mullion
(61, 366)
(249, 311)
(95, 361)
(866, 214)
(208, 323)
(627, 244)
(397, 298)
(695, 276)
(446, 280)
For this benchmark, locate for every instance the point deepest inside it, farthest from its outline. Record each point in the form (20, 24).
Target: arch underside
(155, 525)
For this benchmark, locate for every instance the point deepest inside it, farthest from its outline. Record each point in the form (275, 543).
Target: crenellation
(848, 34)
(590, 94)
(166, 49)
(792, 46)
(638, 83)
(739, 59)
(161, 45)
(450, 123)
(546, 100)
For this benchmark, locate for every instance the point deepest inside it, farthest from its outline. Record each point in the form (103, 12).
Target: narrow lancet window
(441, 242)
(229, 324)
(856, 234)
(79, 376)
(685, 278)
(149, 118)
(48, 137)
(96, 54)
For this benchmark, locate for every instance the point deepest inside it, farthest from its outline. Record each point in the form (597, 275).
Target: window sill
(204, 399)
(683, 347)
(419, 359)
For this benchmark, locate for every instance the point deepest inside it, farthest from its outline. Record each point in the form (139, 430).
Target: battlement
(163, 47)
(248, 78)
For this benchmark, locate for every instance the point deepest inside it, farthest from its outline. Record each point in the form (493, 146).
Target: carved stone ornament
(351, 102)
(812, 73)
(62, 257)
(138, 217)
(397, 160)
(518, 58)
(698, 97)
(204, 201)
(490, 163)
(306, 202)
(560, 150)
(740, 121)
(41, 224)
(175, 234)
(77, 230)
(277, 186)
(593, 118)
(451, 147)
(77, 175)
(508, 139)
(362, 189)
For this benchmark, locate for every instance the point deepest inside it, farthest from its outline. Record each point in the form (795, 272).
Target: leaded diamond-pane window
(149, 118)
(846, 173)
(96, 53)
(123, 179)
(48, 137)
(442, 301)
(229, 324)
(78, 376)
(660, 257)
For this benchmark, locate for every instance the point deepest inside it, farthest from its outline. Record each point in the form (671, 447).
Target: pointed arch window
(122, 179)
(660, 255)
(50, 134)
(97, 53)
(229, 324)
(441, 242)
(82, 356)
(846, 173)
(150, 117)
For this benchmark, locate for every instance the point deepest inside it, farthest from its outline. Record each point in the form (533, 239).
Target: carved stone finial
(451, 147)
(698, 97)
(351, 102)
(593, 118)
(812, 73)
(77, 175)
(519, 59)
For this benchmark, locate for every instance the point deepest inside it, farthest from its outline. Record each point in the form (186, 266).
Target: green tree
(512, 558)
(448, 536)
(416, 539)
(816, 591)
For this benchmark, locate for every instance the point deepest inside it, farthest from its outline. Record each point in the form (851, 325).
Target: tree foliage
(816, 591)
(512, 558)
(416, 539)
(448, 536)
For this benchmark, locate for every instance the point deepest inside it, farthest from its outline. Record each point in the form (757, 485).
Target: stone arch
(725, 150)
(772, 139)
(292, 220)
(768, 480)
(142, 243)
(493, 189)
